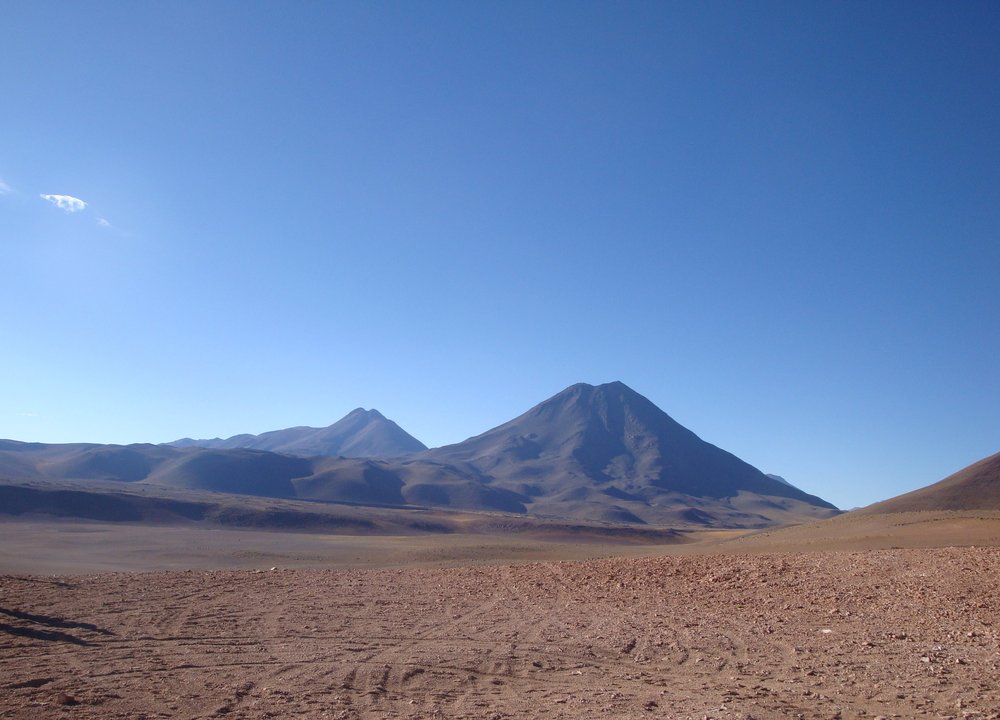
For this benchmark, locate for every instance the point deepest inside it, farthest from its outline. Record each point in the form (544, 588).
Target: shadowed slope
(246, 472)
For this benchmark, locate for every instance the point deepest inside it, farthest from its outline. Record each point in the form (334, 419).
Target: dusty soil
(893, 633)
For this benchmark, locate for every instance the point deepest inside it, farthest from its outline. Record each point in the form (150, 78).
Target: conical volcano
(607, 452)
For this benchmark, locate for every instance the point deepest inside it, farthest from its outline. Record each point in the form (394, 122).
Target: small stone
(64, 699)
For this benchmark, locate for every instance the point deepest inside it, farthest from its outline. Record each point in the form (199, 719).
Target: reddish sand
(892, 633)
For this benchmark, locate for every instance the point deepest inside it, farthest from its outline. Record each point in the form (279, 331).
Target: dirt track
(905, 633)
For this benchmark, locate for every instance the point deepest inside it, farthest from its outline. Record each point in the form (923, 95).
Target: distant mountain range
(595, 453)
(361, 433)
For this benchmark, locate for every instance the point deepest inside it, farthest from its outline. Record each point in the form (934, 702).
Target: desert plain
(893, 616)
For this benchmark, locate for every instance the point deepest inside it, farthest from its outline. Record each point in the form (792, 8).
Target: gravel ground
(890, 633)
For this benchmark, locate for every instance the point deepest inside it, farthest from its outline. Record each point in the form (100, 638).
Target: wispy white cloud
(71, 204)
(65, 202)
(5, 188)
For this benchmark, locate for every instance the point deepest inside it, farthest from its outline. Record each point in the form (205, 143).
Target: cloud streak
(65, 202)
(5, 189)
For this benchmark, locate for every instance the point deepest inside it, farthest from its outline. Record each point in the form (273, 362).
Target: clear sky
(778, 221)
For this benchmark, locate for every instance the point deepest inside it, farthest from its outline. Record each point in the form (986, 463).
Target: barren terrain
(52, 547)
(893, 633)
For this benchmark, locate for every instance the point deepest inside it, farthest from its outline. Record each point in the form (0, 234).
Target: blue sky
(778, 221)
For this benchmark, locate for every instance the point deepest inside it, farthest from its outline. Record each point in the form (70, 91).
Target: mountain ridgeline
(361, 433)
(597, 453)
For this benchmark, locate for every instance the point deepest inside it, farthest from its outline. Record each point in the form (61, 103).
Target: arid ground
(744, 633)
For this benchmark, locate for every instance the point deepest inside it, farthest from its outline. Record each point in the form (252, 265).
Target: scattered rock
(66, 699)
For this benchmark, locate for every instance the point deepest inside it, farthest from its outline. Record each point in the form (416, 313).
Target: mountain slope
(361, 433)
(976, 487)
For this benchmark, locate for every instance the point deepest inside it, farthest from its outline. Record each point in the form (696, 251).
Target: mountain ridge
(360, 433)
